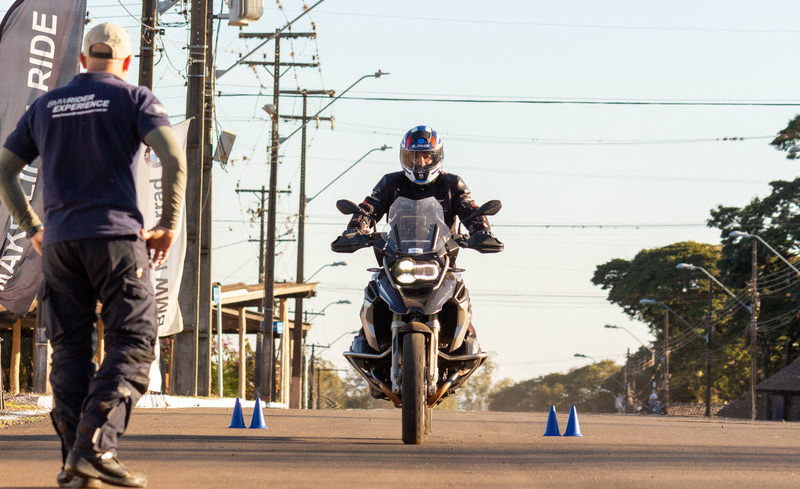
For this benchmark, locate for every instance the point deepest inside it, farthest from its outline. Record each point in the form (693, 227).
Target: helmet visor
(421, 161)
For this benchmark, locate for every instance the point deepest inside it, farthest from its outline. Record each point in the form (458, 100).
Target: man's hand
(159, 240)
(36, 241)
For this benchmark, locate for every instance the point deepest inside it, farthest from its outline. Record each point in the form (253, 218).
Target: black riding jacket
(450, 190)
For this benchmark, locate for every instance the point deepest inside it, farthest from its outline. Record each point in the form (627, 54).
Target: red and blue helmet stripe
(421, 138)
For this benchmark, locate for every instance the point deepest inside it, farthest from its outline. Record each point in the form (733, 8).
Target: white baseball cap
(112, 36)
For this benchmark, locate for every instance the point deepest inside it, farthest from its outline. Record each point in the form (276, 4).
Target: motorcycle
(416, 312)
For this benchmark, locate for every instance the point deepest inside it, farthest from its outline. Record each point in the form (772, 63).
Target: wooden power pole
(185, 346)
(265, 358)
(205, 335)
(147, 45)
(754, 304)
(296, 389)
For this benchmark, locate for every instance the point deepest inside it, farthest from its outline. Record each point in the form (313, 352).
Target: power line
(677, 103)
(571, 26)
(370, 129)
(566, 226)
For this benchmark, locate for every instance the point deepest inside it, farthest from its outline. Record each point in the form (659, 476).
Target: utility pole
(147, 45)
(709, 329)
(185, 345)
(312, 385)
(265, 365)
(265, 357)
(205, 333)
(666, 361)
(262, 211)
(625, 381)
(146, 66)
(295, 391)
(754, 334)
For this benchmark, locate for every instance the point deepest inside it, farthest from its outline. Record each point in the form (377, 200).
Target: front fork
(432, 373)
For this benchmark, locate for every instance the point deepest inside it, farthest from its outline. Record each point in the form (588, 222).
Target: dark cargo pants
(91, 409)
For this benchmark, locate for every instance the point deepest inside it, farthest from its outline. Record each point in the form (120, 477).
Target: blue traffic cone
(552, 424)
(258, 417)
(573, 428)
(237, 420)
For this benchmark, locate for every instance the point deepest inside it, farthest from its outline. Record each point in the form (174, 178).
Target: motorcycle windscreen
(416, 226)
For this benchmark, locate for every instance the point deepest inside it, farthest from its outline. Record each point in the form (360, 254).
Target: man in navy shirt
(94, 247)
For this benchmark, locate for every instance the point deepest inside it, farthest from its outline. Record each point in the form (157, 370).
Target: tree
(652, 274)
(776, 219)
(788, 138)
(475, 394)
(584, 387)
(230, 369)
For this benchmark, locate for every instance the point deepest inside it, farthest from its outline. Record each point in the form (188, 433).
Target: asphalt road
(327, 449)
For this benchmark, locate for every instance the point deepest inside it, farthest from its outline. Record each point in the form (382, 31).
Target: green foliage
(475, 394)
(587, 388)
(351, 391)
(230, 371)
(653, 274)
(25, 361)
(337, 392)
(776, 219)
(788, 137)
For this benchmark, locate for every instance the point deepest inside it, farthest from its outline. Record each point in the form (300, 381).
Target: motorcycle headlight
(407, 271)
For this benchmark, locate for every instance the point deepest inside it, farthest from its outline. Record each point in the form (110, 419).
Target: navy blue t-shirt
(88, 133)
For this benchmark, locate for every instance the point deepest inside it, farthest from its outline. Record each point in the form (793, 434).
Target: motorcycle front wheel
(413, 388)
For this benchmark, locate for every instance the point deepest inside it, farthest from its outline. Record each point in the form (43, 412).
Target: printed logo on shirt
(151, 158)
(85, 104)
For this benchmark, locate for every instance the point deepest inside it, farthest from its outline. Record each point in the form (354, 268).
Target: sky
(581, 183)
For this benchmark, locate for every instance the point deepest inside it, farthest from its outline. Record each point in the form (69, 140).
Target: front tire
(413, 388)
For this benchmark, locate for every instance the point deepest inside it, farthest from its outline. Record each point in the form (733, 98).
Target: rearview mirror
(347, 207)
(488, 209)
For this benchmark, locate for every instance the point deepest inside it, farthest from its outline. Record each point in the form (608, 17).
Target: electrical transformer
(242, 12)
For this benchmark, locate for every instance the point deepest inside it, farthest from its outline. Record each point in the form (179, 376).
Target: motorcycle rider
(422, 157)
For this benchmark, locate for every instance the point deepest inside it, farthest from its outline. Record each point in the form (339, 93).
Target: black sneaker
(104, 466)
(68, 480)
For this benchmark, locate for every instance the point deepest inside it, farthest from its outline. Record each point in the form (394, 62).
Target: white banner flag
(167, 277)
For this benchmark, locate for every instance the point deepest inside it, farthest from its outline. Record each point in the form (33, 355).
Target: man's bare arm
(173, 172)
(11, 192)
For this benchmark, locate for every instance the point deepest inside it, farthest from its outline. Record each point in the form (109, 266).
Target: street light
(611, 326)
(754, 313)
(382, 148)
(652, 353)
(710, 326)
(581, 355)
(322, 311)
(742, 234)
(377, 74)
(688, 266)
(649, 302)
(334, 264)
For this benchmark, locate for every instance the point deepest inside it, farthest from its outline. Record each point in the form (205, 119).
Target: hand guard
(485, 242)
(350, 241)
